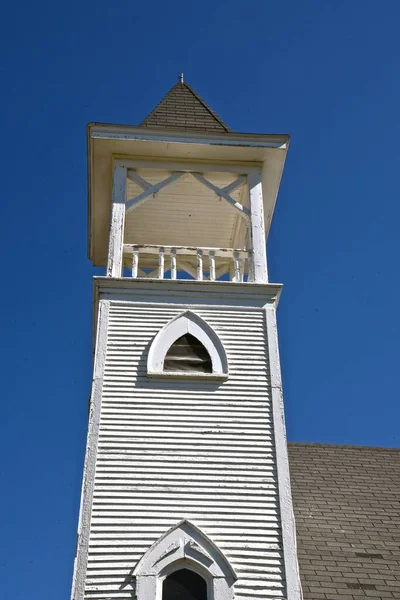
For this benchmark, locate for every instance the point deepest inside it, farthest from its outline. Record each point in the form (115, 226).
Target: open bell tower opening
(186, 490)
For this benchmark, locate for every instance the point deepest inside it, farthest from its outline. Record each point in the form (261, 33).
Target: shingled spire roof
(183, 108)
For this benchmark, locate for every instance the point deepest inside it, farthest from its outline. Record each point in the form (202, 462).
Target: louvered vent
(187, 353)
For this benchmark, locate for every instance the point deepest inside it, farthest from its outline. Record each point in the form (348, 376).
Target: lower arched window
(184, 564)
(184, 585)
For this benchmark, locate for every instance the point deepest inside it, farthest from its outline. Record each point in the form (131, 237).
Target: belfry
(186, 491)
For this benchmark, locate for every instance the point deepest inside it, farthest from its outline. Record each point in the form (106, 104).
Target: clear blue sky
(325, 72)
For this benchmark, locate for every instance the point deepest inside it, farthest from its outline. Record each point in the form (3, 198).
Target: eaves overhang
(106, 142)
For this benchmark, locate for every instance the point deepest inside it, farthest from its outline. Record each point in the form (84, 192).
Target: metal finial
(181, 78)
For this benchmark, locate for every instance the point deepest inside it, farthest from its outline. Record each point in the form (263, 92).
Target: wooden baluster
(236, 267)
(173, 263)
(241, 267)
(161, 263)
(199, 264)
(211, 256)
(135, 262)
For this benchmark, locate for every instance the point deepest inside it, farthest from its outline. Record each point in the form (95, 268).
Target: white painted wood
(190, 166)
(245, 140)
(187, 322)
(164, 219)
(152, 274)
(134, 176)
(250, 266)
(199, 265)
(235, 184)
(195, 270)
(184, 546)
(135, 262)
(161, 262)
(293, 583)
(198, 451)
(236, 267)
(226, 253)
(257, 231)
(185, 266)
(222, 270)
(211, 256)
(142, 273)
(241, 269)
(173, 263)
(240, 296)
(243, 211)
(170, 450)
(151, 191)
(116, 236)
(223, 151)
(85, 513)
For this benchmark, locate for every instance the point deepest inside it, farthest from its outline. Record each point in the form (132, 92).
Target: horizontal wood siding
(185, 212)
(174, 449)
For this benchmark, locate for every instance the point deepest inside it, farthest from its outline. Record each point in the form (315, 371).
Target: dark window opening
(187, 353)
(184, 585)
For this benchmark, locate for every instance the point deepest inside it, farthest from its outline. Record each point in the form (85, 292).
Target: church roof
(347, 509)
(183, 108)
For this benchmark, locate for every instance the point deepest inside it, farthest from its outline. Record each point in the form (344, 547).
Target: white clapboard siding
(173, 449)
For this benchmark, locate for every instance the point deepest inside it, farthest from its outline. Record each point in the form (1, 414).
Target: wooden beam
(235, 184)
(116, 237)
(221, 271)
(151, 191)
(257, 231)
(188, 166)
(136, 178)
(226, 253)
(184, 266)
(142, 273)
(243, 211)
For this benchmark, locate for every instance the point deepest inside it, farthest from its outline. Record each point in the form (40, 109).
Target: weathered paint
(285, 494)
(117, 225)
(169, 450)
(187, 545)
(257, 229)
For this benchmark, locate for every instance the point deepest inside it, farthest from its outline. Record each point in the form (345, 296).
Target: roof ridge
(344, 446)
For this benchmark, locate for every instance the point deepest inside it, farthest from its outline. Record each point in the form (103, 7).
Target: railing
(176, 262)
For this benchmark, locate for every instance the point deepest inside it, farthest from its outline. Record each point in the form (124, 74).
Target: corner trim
(292, 575)
(85, 513)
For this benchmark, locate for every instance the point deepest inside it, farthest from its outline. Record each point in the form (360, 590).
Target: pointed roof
(183, 108)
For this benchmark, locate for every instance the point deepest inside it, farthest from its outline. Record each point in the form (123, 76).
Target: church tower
(186, 491)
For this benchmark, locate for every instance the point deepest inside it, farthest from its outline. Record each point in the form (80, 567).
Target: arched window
(187, 346)
(187, 353)
(184, 564)
(184, 585)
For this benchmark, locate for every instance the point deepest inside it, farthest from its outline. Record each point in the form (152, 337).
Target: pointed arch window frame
(184, 546)
(187, 322)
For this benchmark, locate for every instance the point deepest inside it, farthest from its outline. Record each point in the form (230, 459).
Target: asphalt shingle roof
(347, 509)
(182, 108)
